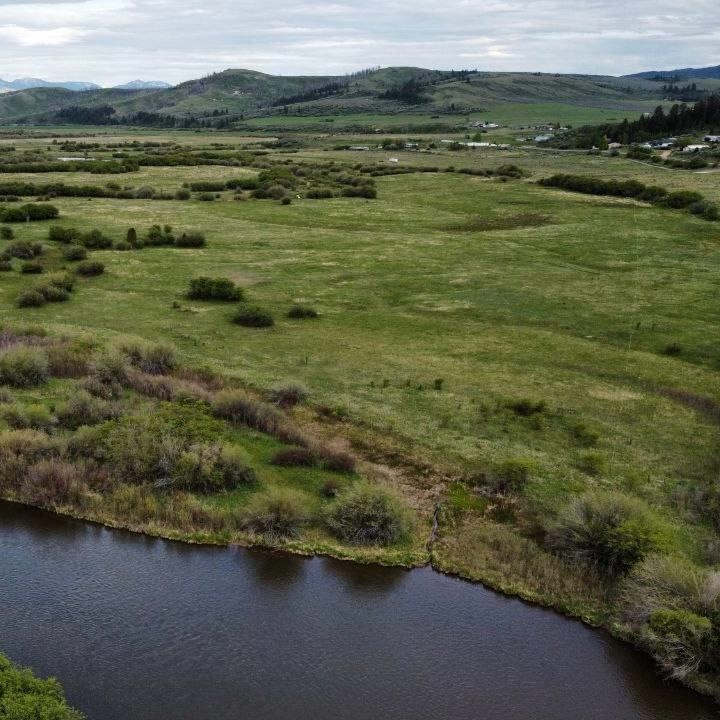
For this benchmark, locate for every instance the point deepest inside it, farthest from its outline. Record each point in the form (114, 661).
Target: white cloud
(29, 37)
(109, 41)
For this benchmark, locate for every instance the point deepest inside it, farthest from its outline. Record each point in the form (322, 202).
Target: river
(137, 628)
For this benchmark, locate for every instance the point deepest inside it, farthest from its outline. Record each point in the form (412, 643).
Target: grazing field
(492, 348)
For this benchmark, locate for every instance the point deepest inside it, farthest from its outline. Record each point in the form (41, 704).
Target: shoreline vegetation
(146, 445)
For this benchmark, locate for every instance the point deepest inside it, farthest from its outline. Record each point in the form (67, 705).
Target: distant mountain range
(234, 95)
(680, 73)
(29, 83)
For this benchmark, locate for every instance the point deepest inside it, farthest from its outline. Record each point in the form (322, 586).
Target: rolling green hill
(390, 90)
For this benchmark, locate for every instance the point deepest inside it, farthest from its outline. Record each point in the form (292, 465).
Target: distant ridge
(28, 83)
(680, 73)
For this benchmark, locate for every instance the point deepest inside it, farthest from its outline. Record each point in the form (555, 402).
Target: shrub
(83, 409)
(211, 469)
(277, 513)
(368, 515)
(90, 268)
(337, 459)
(5, 266)
(253, 316)
(611, 531)
(31, 268)
(67, 360)
(206, 288)
(592, 463)
(157, 359)
(23, 250)
(122, 246)
(526, 408)
(293, 457)
(239, 407)
(26, 696)
(302, 312)
(51, 481)
(95, 240)
(288, 394)
(63, 235)
(190, 240)
(511, 476)
(672, 349)
(53, 293)
(74, 253)
(678, 639)
(182, 194)
(29, 212)
(330, 488)
(6, 232)
(24, 417)
(30, 298)
(22, 366)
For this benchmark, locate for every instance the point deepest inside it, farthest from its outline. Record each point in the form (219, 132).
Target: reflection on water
(143, 629)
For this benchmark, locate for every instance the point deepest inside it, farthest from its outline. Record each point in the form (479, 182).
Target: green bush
(190, 240)
(368, 515)
(53, 293)
(6, 232)
(31, 268)
(288, 394)
(95, 240)
(526, 408)
(302, 312)
(610, 531)
(90, 268)
(679, 639)
(23, 366)
(293, 457)
(74, 253)
(5, 266)
(83, 409)
(24, 417)
(277, 513)
(24, 696)
(63, 235)
(22, 250)
(207, 288)
(30, 298)
(253, 316)
(211, 469)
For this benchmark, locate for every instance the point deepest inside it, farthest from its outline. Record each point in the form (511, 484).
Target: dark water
(143, 629)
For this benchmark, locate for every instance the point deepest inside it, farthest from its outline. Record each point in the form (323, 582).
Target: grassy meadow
(470, 328)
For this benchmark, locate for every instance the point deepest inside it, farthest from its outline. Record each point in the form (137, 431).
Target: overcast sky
(111, 41)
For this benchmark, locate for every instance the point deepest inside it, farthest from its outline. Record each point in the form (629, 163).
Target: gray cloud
(109, 41)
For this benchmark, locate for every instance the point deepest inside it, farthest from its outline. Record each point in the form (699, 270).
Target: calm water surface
(143, 629)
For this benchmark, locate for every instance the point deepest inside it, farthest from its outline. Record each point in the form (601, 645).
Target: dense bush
(29, 212)
(368, 515)
(23, 366)
(95, 240)
(30, 298)
(288, 394)
(23, 250)
(277, 513)
(63, 235)
(253, 316)
(207, 288)
(300, 312)
(293, 457)
(23, 696)
(610, 531)
(23, 417)
(90, 268)
(680, 199)
(31, 268)
(190, 240)
(211, 469)
(83, 409)
(6, 232)
(74, 253)
(53, 293)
